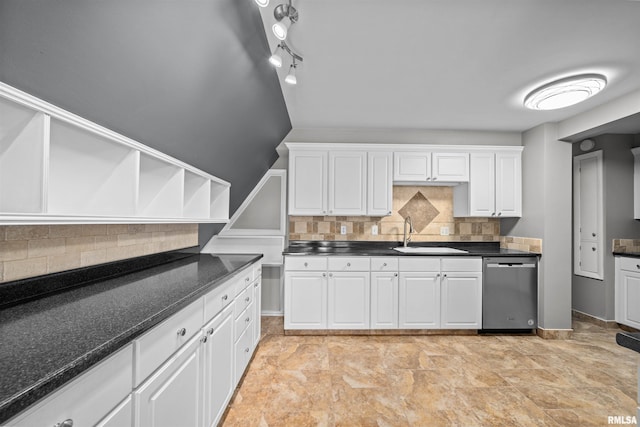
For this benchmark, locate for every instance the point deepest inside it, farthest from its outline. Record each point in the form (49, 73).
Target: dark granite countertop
(627, 254)
(484, 249)
(49, 340)
(630, 340)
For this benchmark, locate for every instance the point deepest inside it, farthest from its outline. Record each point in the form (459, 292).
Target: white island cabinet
(181, 372)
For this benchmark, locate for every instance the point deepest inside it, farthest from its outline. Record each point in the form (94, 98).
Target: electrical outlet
(374, 230)
(444, 231)
(343, 229)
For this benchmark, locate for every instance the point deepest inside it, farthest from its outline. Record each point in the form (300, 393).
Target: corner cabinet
(495, 185)
(71, 170)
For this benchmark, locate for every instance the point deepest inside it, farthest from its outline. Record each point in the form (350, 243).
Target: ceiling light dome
(262, 3)
(280, 29)
(565, 92)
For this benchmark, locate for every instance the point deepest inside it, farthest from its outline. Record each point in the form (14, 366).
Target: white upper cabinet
(425, 166)
(380, 183)
(495, 185)
(71, 170)
(347, 182)
(308, 182)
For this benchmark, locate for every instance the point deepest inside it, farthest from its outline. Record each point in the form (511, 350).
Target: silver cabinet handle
(330, 274)
(389, 212)
(306, 264)
(435, 177)
(593, 234)
(444, 275)
(247, 299)
(324, 274)
(499, 213)
(493, 214)
(637, 265)
(593, 249)
(210, 331)
(395, 274)
(246, 279)
(438, 275)
(203, 340)
(256, 285)
(348, 264)
(65, 423)
(246, 350)
(384, 264)
(182, 332)
(428, 178)
(225, 297)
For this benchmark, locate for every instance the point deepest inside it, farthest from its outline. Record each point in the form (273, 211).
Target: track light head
(291, 77)
(262, 3)
(285, 15)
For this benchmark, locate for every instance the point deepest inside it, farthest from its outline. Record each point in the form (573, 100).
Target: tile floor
(432, 380)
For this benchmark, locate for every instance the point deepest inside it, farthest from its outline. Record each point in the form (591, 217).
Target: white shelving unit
(56, 167)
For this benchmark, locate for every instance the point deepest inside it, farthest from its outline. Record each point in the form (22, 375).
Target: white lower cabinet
(349, 300)
(384, 300)
(419, 300)
(305, 300)
(461, 300)
(172, 396)
(121, 416)
(627, 291)
(218, 360)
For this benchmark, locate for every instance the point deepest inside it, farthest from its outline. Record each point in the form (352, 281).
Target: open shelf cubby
(23, 134)
(219, 202)
(90, 175)
(197, 191)
(161, 188)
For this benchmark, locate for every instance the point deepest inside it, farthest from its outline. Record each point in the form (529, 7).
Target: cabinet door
(379, 184)
(349, 300)
(243, 352)
(461, 300)
(121, 416)
(509, 184)
(412, 166)
(257, 303)
(347, 183)
(482, 196)
(452, 167)
(305, 300)
(384, 300)
(308, 183)
(628, 295)
(419, 306)
(218, 362)
(173, 395)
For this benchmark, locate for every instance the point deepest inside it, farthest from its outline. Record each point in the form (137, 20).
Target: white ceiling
(451, 64)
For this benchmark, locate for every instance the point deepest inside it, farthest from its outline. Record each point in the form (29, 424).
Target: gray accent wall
(596, 297)
(546, 214)
(188, 78)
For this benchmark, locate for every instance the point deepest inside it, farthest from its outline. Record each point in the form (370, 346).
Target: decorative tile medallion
(421, 211)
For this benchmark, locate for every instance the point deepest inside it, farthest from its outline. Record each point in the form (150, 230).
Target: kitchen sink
(428, 250)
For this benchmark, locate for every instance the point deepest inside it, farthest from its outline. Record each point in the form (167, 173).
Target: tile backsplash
(626, 245)
(527, 244)
(28, 251)
(430, 209)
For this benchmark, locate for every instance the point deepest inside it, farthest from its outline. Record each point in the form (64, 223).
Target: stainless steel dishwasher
(510, 293)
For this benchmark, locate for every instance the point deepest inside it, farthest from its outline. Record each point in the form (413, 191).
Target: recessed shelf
(219, 201)
(89, 174)
(197, 190)
(22, 151)
(161, 188)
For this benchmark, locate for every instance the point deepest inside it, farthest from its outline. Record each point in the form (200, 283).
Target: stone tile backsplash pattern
(430, 209)
(626, 245)
(526, 244)
(28, 251)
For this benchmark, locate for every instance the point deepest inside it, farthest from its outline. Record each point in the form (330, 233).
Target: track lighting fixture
(285, 15)
(291, 77)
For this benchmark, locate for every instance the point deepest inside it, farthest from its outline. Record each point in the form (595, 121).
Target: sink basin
(431, 250)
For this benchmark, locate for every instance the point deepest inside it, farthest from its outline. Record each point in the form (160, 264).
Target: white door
(630, 295)
(419, 305)
(384, 300)
(453, 167)
(173, 395)
(482, 187)
(461, 302)
(508, 184)
(218, 361)
(588, 215)
(308, 183)
(412, 166)
(349, 300)
(305, 300)
(379, 183)
(347, 183)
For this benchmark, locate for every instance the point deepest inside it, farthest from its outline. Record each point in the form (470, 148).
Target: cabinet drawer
(305, 263)
(88, 398)
(243, 300)
(349, 263)
(630, 264)
(244, 279)
(419, 263)
(384, 264)
(243, 321)
(243, 353)
(218, 299)
(154, 348)
(462, 264)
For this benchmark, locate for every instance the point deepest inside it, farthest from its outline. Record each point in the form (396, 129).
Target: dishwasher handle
(510, 265)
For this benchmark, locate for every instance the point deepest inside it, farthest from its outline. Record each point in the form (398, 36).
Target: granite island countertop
(48, 340)
(359, 248)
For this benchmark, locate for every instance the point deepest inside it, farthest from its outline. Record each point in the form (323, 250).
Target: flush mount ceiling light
(285, 15)
(565, 92)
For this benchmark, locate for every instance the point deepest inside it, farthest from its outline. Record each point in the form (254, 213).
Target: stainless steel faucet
(407, 237)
